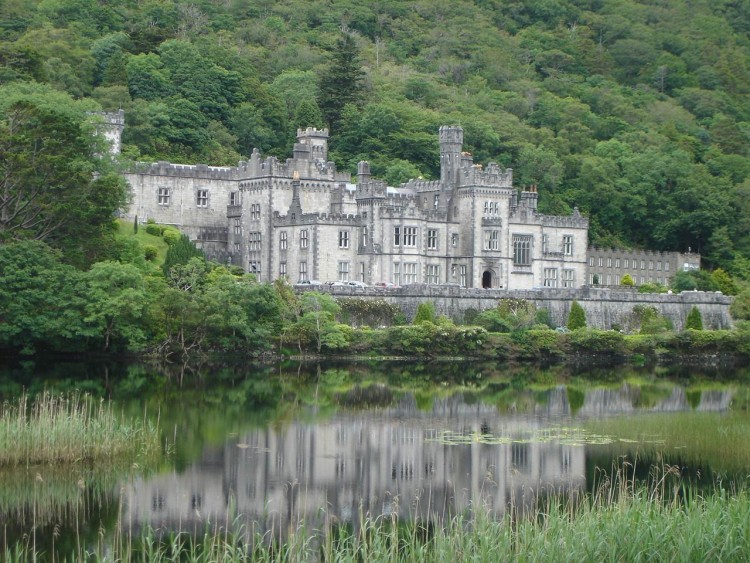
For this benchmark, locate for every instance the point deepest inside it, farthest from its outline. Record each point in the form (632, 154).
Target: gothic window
(255, 212)
(397, 273)
(545, 244)
(253, 241)
(343, 271)
(364, 236)
(437, 201)
(303, 240)
(433, 274)
(164, 196)
(396, 236)
(432, 239)
(567, 245)
(522, 250)
(201, 198)
(410, 272)
(282, 240)
(550, 277)
(492, 240)
(238, 226)
(568, 278)
(462, 276)
(282, 270)
(234, 198)
(302, 271)
(410, 236)
(343, 239)
(255, 267)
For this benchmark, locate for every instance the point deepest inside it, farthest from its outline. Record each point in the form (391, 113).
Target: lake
(274, 448)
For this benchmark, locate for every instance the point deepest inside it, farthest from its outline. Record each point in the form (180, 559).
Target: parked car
(309, 282)
(355, 283)
(336, 283)
(386, 285)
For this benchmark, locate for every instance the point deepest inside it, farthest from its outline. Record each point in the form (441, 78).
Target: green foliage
(627, 281)
(150, 252)
(154, 229)
(698, 280)
(179, 254)
(740, 307)
(652, 287)
(723, 282)
(425, 313)
(171, 236)
(576, 317)
(694, 320)
(340, 83)
(368, 312)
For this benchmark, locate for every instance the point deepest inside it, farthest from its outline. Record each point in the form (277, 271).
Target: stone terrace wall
(604, 307)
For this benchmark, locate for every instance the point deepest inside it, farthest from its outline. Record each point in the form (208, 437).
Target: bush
(651, 287)
(425, 313)
(627, 280)
(694, 319)
(171, 236)
(577, 317)
(150, 252)
(154, 230)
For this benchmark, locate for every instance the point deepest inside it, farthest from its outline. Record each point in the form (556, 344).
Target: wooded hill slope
(637, 112)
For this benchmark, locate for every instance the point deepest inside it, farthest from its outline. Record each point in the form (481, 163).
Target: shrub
(171, 236)
(651, 287)
(425, 313)
(694, 319)
(150, 252)
(153, 229)
(627, 280)
(577, 317)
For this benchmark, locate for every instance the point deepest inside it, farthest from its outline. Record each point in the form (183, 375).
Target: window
(650, 264)
(432, 239)
(567, 245)
(617, 262)
(255, 267)
(303, 240)
(454, 239)
(236, 246)
(282, 240)
(550, 277)
(410, 272)
(361, 271)
(491, 208)
(658, 266)
(201, 198)
(253, 241)
(397, 273)
(643, 264)
(433, 274)
(591, 279)
(437, 201)
(625, 263)
(601, 262)
(282, 269)
(234, 198)
(238, 226)
(164, 196)
(545, 244)
(568, 278)
(617, 279)
(522, 250)
(591, 260)
(462, 276)
(255, 212)
(396, 236)
(364, 236)
(410, 236)
(303, 271)
(666, 266)
(492, 240)
(343, 239)
(609, 262)
(609, 279)
(343, 271)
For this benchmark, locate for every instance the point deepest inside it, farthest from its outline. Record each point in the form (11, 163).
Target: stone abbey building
(302, 219)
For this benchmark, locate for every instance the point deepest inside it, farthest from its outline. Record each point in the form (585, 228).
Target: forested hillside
(637, 112)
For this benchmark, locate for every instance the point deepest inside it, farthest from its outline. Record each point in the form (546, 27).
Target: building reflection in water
(384, 462)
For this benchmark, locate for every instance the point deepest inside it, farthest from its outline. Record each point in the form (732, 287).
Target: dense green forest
(636, 111)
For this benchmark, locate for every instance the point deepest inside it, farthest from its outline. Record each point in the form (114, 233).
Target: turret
(317, 140)
(451, 141)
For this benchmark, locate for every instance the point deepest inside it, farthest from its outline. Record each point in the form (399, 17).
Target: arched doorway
(487, 279)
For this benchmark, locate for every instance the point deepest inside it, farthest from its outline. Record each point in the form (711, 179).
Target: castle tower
(451, 141)
(317, 140)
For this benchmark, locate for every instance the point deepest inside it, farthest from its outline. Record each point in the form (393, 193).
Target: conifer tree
(180, 253)
(341, 82)
(577, 317)
(694, 319)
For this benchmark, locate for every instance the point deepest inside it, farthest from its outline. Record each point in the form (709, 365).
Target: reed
(69, 429)
(622, 521)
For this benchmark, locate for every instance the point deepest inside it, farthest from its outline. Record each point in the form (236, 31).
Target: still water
(272, 449)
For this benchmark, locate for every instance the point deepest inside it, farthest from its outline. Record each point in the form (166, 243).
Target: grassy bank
(64, 429)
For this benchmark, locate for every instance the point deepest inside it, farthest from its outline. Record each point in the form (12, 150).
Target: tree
(425, 313)
(340, 83)
(180, 254)
(694, 319)
(577, 317)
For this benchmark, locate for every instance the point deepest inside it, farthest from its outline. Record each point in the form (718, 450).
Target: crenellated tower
(451, 142)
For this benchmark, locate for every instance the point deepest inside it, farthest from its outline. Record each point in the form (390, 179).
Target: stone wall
(604, 308)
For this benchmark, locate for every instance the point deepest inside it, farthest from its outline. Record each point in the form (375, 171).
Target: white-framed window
(545, 244)
(550, 277)
(303, 271)
(522, 250)
(255, 212)
(462, 275)
(491, 208)
(436, 201)
(666, 266)
(410, 236)
(617, 262)
(201, 198)
(282, 269)
(343, 271)
(165, 195)
(238, 226)
(609, 279)
(650, 264)
(601, 262)
(643, 264)
(433, 274)
(303, 240)
(343, 239)
(253, 241)
(432, 239)
(658, 266)
(625, 263)
(396, 273)
(643, 280)
(283, 241)
(410, 272)
(492, 240)
(255, 266)
(454, 239)
(396, 236)
(567, 245)
(236, 246)
(591, 279)
(234, 198)
(569, 278)
(364, 236)
(617, 279)
(609, 262)
(361, 271)
(591, 260)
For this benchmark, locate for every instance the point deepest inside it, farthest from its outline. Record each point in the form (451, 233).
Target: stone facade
(607, 266)
(302, 219)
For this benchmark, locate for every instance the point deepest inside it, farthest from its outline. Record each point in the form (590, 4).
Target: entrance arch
(487, 279)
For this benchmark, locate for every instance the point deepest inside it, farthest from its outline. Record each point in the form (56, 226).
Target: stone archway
(487, 279)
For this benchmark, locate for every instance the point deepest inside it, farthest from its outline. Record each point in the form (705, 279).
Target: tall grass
(621, 521)
(64, 429)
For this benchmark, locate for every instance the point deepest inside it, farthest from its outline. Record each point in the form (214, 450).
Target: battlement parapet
(200, 171)
(493, 176)
(571, 221)
(312, 132)
(422, 185)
